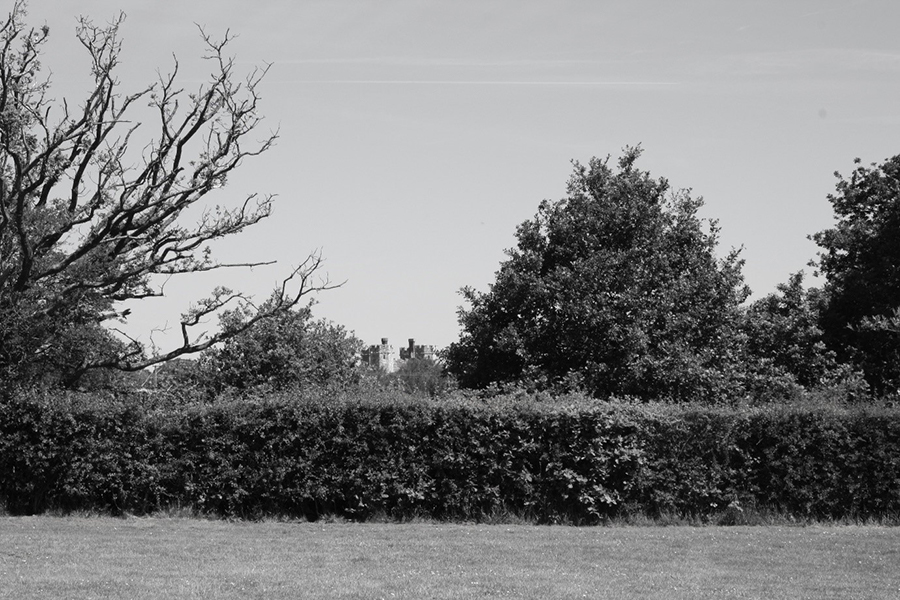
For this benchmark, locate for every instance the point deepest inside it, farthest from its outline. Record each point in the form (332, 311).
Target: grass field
(143, 558)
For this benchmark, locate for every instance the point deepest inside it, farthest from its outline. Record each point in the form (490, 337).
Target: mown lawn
(143, 558)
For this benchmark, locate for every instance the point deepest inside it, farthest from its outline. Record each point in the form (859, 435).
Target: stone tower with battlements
(420, 352)
(380, 356)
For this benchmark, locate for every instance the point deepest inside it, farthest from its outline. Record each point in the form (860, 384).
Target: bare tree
(89, 215)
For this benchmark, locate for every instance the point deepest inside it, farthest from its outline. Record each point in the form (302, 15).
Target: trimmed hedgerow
(825, 462)
(565, 460)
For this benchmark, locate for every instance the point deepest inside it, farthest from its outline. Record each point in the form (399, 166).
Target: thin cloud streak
(441, 62)
(476, 82)
(825, 60)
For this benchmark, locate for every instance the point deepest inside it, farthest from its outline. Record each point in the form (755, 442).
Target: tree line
(616, 290)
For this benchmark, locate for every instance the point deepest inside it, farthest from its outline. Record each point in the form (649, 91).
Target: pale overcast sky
(416, 135)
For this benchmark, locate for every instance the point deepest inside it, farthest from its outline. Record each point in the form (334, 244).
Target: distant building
(420, 352)
(382, 356)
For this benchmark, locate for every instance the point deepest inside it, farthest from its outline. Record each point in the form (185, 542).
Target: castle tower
(386, 356)
(425, 352)
(380, 356)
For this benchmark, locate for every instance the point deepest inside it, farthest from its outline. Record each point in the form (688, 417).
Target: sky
(414, 136)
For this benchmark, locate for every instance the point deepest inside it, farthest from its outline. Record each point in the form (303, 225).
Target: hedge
(568, 460)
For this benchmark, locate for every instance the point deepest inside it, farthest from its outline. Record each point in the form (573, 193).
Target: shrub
(355, 455)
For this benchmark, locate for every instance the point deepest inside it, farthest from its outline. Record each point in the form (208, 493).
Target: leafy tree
(785, 339)
(178, 376)
(287, 350)
(861, 264)
(92, 209)
(423, 376)
(615, 289)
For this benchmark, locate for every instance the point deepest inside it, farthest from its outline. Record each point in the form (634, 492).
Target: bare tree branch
(302, 282)
(83, 228)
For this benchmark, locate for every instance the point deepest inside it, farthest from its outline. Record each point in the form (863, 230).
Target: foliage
(572, 459)
(616, 290)
(91, 209)
(786, 344)
(422, 376)
(287, 350)
(172, 376)
(861, 264)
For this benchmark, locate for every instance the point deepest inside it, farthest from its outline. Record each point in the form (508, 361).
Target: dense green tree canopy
(860, 259)
(616, 289)
(785, 340)
(287, 350)
(422, 376)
